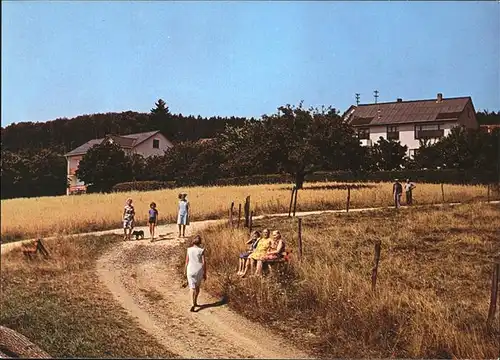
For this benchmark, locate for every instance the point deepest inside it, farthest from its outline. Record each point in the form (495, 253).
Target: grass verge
(60, 305)
(433, 285)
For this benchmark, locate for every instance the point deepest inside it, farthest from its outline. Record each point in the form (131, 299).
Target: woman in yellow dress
(259, 252)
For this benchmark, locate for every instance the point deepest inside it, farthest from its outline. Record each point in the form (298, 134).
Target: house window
(156, 144)
(429, 131)
(364, 133)
(392, 132)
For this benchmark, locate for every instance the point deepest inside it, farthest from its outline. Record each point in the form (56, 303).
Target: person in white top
(196, 269)
(409, 186)
(183, 214)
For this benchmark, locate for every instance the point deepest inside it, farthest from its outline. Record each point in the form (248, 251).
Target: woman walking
(196, 269)
(153, 219)
(128, 219)
(183, 214)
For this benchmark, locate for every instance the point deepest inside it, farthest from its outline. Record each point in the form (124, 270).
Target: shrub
(143, 186)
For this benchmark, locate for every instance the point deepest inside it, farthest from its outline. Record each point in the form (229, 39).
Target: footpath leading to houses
(138, 271)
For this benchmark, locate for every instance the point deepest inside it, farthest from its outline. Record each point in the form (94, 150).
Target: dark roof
(125, 141)
(401, 112)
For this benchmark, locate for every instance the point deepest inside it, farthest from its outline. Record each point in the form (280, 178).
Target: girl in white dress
(196, 269)
(183, 214)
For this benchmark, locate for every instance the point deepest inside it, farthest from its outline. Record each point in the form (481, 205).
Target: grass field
(45, 216)
(60, 305)
(432, 293)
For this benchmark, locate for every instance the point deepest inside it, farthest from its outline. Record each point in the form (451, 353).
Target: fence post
(291, 201)
(442, 191)
(300, 239)
(247, 210)
(375, 263)
(231, 214)
(295, 201)
(239, 215)
(348, 197)
(488, 192)
(250, 223)
(494, 295)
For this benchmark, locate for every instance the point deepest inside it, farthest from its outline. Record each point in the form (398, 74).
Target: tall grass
(432, 292)
(30, 217)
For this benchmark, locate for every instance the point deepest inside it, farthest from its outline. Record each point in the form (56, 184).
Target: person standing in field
(397, 191)
(153, 219)
(196, 269)
(183, 214)
(128, 219)
(409, 186)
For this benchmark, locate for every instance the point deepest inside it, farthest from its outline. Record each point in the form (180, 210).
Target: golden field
(433, 287)
(45, 216)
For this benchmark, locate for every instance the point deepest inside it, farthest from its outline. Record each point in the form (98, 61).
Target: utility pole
(357, 99)
(375, 95)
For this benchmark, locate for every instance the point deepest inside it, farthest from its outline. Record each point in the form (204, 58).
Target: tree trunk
(300, 176)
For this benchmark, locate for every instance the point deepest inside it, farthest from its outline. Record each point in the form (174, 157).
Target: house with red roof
(145, 144)
(410, 121)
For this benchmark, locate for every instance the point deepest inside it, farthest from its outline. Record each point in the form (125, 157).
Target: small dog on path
(138, 234)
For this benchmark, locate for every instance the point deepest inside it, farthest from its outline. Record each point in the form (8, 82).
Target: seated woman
(274, 252)
(259, 252)
(253, 242)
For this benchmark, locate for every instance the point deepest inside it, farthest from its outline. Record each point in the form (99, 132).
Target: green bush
(143, 186)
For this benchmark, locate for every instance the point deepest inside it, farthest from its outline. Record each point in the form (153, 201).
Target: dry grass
(28, 218)
(432, 292)
(60, 305)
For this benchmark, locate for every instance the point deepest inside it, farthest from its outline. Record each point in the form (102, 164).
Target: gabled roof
(406, 112)
(125, 141)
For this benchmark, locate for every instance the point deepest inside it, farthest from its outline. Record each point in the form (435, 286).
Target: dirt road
(141, 276)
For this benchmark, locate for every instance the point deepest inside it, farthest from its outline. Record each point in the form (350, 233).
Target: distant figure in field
(275, 250)
(153, 219)
(183, 214)
(259, 252)
(128, 219)
(397, 191)
(253, 242)
(196, 269)
(409, 186)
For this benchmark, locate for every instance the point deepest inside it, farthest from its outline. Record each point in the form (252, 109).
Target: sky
(64, 59)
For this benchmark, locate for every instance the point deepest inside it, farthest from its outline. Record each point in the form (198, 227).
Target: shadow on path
(221, 302)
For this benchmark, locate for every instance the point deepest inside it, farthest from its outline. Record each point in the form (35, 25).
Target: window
(429, 131)
(156, 144)
(364, 133)
(392, 132)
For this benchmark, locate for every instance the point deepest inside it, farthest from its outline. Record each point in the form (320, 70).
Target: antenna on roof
(357, 98)
(375, 95)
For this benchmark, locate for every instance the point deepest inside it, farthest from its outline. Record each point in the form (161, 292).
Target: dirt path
(141, 276)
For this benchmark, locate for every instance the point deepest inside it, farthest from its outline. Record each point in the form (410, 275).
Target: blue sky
(63, 59)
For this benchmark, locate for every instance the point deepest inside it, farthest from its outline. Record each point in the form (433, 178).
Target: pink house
(145, 144)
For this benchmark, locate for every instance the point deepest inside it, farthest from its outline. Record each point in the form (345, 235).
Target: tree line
(294, 140)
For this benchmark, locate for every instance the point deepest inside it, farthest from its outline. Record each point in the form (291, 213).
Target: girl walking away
(183, 214)
(196, 269)
(153, 219)
(128, 219)
(253, 242)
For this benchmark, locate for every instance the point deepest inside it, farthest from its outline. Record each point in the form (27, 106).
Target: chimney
(439, 97)
(400, 100)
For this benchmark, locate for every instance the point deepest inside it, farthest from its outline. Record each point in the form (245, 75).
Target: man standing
(409, 186)
(397, 191)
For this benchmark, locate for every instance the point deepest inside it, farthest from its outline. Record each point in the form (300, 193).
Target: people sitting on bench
(259, 252)
(253, 242)
(276, 248)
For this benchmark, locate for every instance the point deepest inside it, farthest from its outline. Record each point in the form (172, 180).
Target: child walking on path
(183, 214)
(196, 269)
(153, 220)
(128, 219)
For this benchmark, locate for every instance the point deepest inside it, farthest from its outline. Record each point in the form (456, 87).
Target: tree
(388, 154)
(103, 166)
(162, 120)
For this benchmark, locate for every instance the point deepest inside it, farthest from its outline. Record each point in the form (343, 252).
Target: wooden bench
(283, 260)
(31, 249)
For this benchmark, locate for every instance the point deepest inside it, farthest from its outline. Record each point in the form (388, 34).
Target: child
(254, 240)
(183, 214)
(153, 219)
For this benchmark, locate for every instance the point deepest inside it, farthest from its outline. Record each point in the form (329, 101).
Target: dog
(138, 234)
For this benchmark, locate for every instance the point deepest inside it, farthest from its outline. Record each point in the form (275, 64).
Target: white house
(145, 144)
(410, 121)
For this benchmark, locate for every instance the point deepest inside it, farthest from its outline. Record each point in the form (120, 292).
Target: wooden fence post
(488, 192)
(250, 223)
(375, 264)
(300, 239)
(442, 191)
(494, 295)
(247, 210)
(348, 197)
(295, 202)
(239, 215)
(291, 201)
(231, 214)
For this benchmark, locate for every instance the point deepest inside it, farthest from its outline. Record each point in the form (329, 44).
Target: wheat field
(29, 217)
